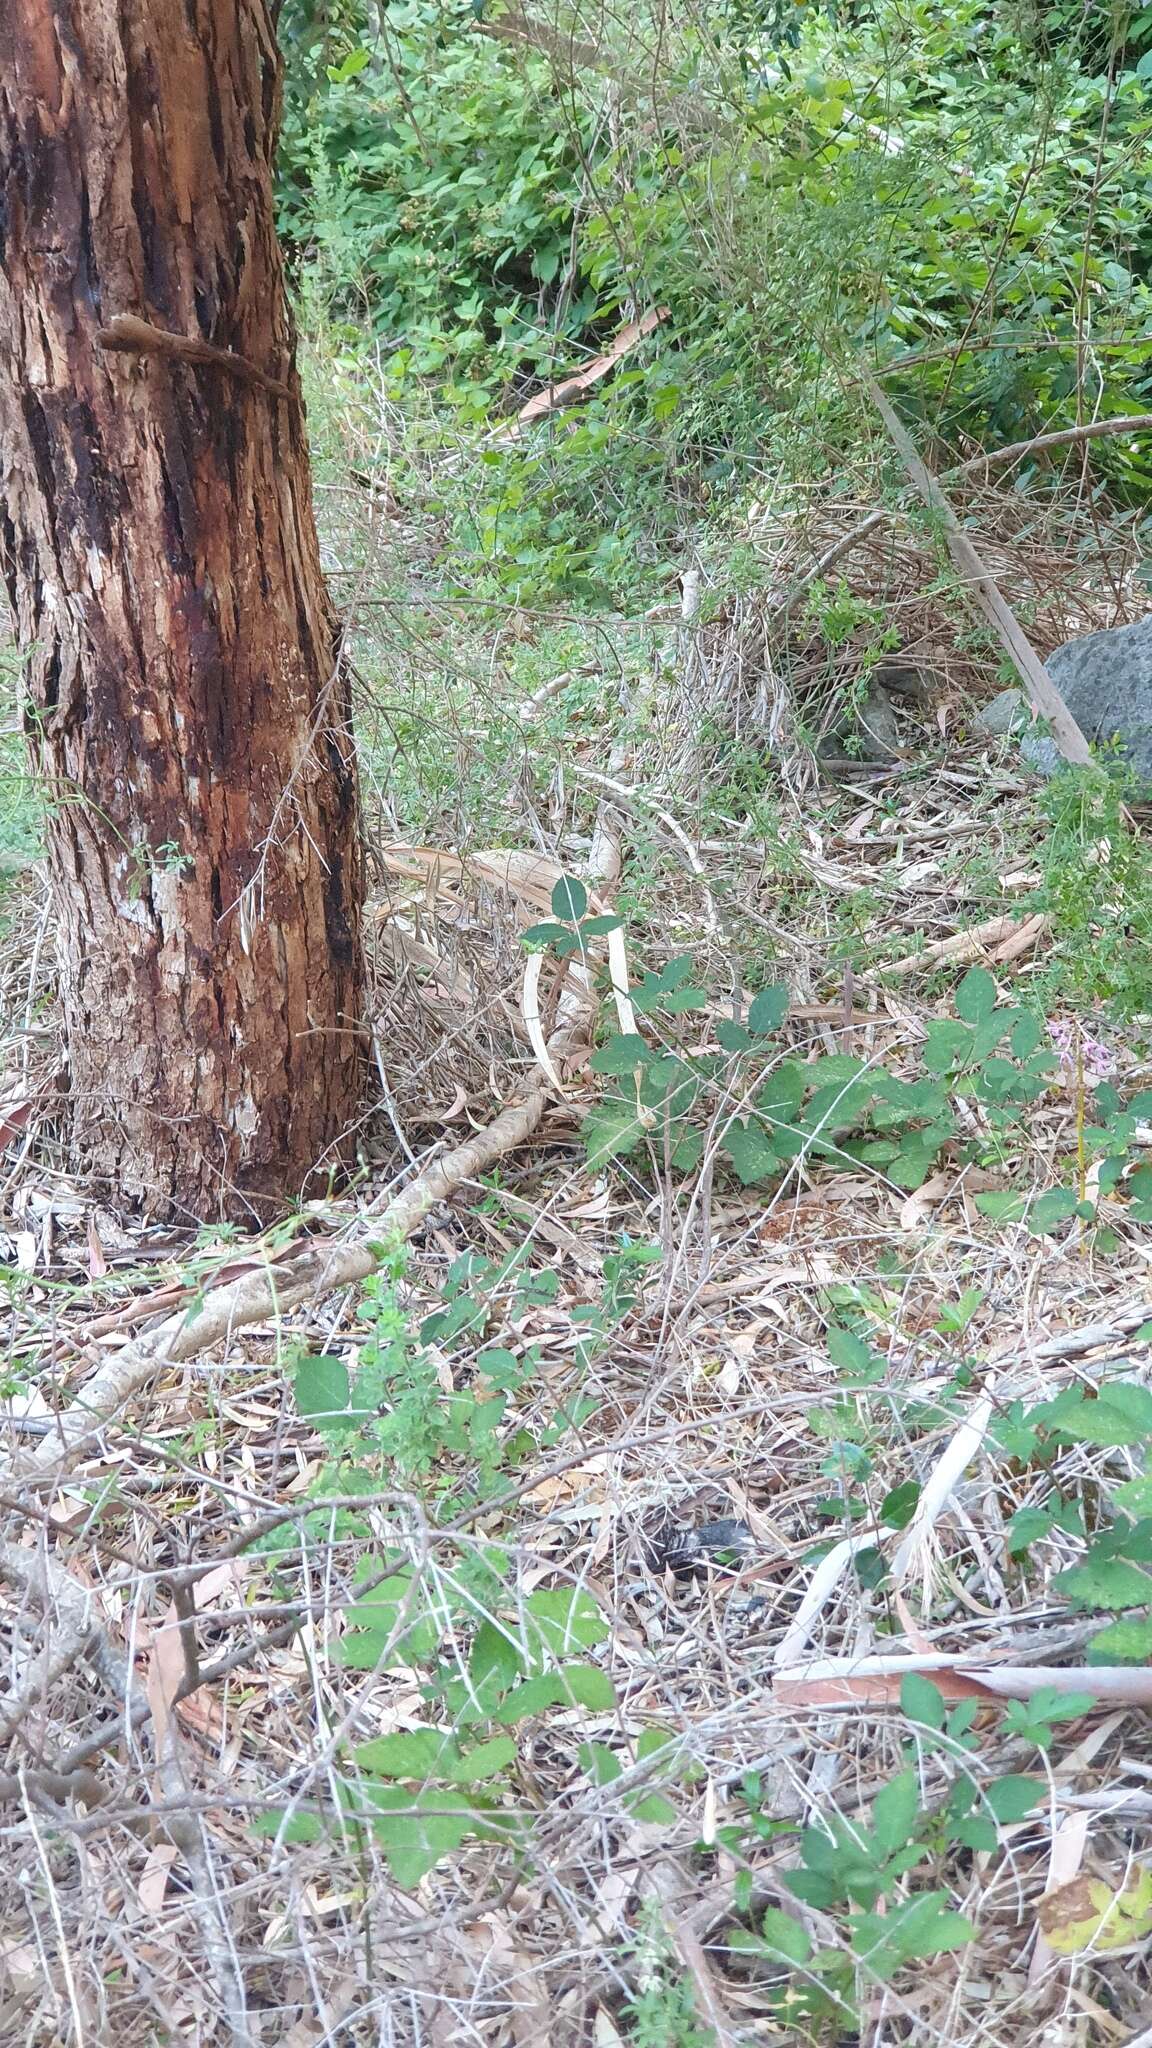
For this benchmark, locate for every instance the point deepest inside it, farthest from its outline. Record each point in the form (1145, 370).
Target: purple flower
(1080, 1052)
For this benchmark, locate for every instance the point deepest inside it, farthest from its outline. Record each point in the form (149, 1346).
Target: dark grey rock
(870, 734)
(1007, 713)
(1105, 680)
(1042, 755)
(877, 726)
(911, 680)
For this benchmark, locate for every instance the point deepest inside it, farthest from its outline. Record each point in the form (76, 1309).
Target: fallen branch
(567, 50)
(79, 1634)
(876, 1681)
(256, 1296)
(1064, 437)
(993, 939)
(823, 1584)
(831, 555)
(938, 1488)
(1022, 941)
(568, 389)
(1042, 691)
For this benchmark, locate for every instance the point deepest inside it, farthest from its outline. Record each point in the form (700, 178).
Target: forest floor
(684, 1639)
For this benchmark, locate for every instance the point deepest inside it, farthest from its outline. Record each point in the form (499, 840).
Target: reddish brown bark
(158, 544)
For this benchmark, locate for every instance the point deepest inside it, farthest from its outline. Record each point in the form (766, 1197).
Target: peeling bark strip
(156, 536)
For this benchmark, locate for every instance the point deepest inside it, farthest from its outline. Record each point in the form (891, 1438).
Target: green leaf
(651, 1741)
(783, 1091)
(545, 934)
(769, 1009)
(655, 1808)
(1133, 1541)
(961, 1718)
(813, 1887)
(946, 1045)
(1105, 1582)
(364, 1650)
(303, 1827)
(599, 927)
(1122, 1642)
(847, 1350)
(684, 999)
(783, 1938)
(386, 1624)
(732, 1036)
(409, 1753)
(822, 1852)
(837, 1069)
(1034, 1718)
(496, 1662)
(1131, 1399)
(871, 1567)
(976, 1831)
(1120, 1414)
(567, 1618)
(751, 1151)
(878, 1152)
(322, 1388)
(688, 1151)
(998, 1080)
(921, 1700)
(1027, 1527)
(909, 1932)
(1049, 1210)
(895, 1812)
(488, 1760)
(976, 996)
(585, 1685)
(899, 1505)
(355, 62)
(621, 1055)
(667, 1086)
(1002, 1208)
(1012, 1797)
(841, 1106)
(569, 899)
(912, 1164)
(1135, 1495)
(1026, 1035)
(415, 1829)
(534, 1697)
(610, 1131)
(601, 1763)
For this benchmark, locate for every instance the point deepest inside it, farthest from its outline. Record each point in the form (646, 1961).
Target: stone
(1105, 680)
(872, 735)
(911, 680)
(1042, 755)
(1005, 714)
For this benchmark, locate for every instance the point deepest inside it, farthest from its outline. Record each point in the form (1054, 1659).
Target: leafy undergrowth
(647, 1600)
(701, 1588)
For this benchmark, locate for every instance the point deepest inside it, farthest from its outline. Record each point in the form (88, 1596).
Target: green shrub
(799, 187)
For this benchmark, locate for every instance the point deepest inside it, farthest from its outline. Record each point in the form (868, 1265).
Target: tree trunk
(184, 696)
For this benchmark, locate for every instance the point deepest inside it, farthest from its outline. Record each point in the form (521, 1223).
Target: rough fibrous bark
(185, 701)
